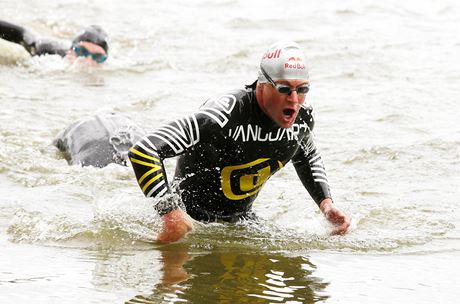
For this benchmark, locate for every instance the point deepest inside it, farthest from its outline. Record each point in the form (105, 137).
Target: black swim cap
(94, 34)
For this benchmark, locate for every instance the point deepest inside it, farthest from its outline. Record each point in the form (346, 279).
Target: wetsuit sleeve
(17, 34)
(11, 32)
(310, 169)
(174, 139)
(29, 41)
(147, 156)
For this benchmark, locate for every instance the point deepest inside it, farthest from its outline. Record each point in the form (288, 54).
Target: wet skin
(91, 47)
(281, 108)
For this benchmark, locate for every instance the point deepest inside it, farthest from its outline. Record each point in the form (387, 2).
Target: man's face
(282, 108)
(88, 52)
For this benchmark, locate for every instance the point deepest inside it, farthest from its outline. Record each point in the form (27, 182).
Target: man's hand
(175, 225)
(334, 215)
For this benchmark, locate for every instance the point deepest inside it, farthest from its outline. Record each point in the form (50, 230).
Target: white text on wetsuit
(255, 133)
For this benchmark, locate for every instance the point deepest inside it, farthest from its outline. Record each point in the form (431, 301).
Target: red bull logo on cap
(294, 63)
(284, 60)
(272, 55)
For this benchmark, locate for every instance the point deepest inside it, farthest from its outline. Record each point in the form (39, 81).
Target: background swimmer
(89, 44)
(98, 140)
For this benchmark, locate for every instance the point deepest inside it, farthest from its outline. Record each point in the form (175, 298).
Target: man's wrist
(325, 204)
(166, 205)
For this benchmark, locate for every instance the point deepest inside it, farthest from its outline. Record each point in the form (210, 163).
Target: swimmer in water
(232, 145)
(90, 44)
(98, 140)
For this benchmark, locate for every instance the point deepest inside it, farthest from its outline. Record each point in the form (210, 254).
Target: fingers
(341, 230)
(340, 220)
(175, 226)
(168, 238)
(173, 233)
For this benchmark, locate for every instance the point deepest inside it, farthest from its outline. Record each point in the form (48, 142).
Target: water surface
(384, 89)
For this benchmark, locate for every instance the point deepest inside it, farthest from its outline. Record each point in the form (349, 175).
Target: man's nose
(293, 97)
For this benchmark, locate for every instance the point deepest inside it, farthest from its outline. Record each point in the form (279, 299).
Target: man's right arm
(164, 142)
(17, 34)
(151, 177)
(11, 32)
(148, 168)
(31, 42)
(171, 140)
(147, 157)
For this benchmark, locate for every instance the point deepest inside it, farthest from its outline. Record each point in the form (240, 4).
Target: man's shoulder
(226, 99)
(222, 107)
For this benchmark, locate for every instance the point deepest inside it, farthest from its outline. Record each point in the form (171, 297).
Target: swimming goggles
(82, 51)
(285, 89)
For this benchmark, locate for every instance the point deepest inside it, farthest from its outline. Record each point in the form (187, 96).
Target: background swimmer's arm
(11, 32)
(30, 41)
(17, 34)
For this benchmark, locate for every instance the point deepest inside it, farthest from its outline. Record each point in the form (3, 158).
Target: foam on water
(123, 219)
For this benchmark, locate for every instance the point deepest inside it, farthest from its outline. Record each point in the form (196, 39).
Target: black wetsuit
(33, 44)
(98, 140)
(229, 148)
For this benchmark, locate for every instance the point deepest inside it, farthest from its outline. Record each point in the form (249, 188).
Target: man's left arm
(310, 169)
(334, 215)
(30, 41)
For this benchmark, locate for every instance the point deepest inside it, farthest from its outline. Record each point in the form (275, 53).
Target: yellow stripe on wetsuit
(155, 167)
(151, 181)
(148, 173)
(144, 155)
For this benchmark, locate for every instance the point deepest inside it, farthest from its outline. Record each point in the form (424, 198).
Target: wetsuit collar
(252, 85)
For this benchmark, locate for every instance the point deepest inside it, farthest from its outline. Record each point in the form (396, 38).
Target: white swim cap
(283, 60)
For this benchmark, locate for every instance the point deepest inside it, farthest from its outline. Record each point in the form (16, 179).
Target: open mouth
(288, 113)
